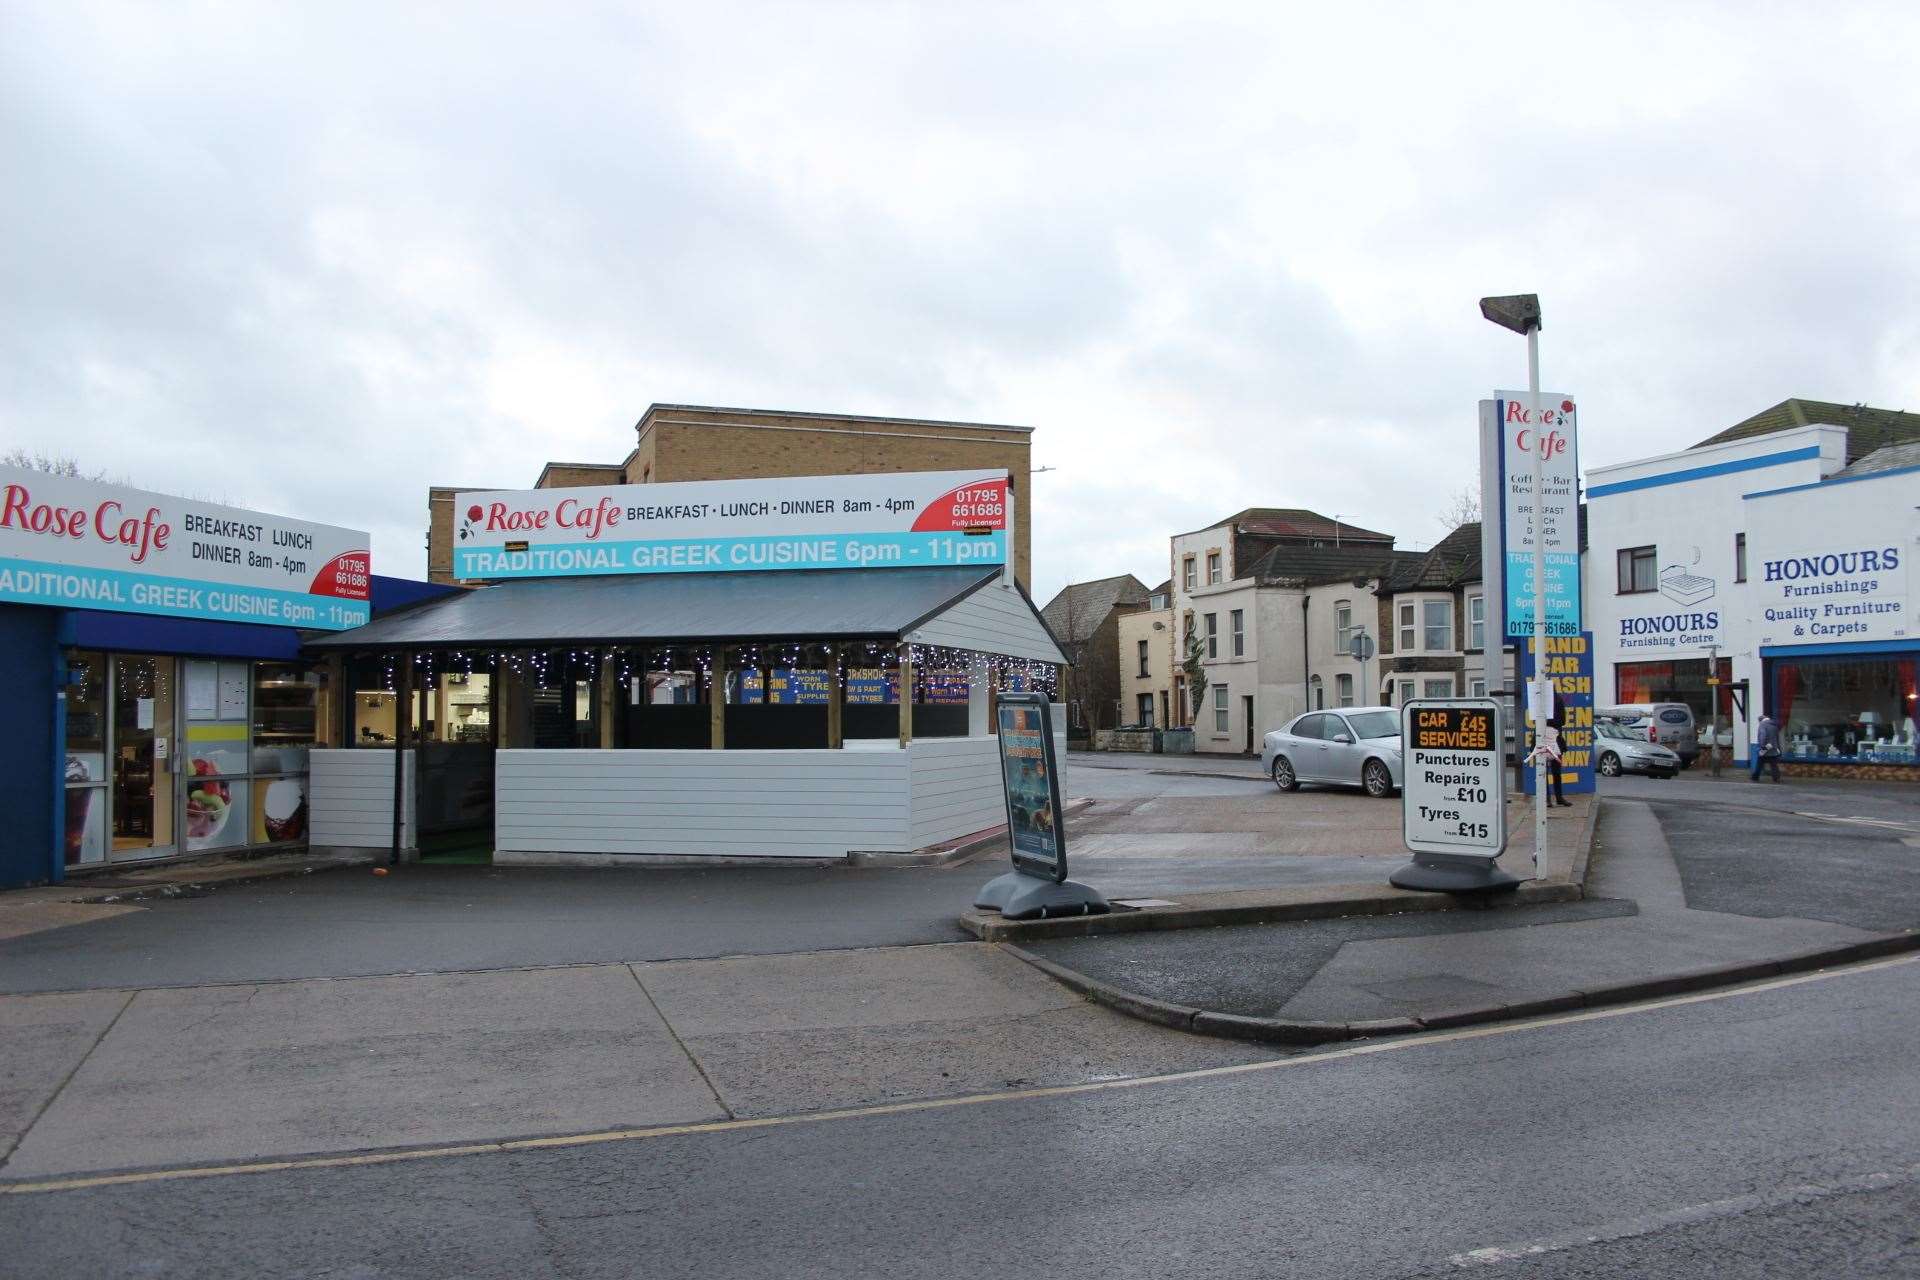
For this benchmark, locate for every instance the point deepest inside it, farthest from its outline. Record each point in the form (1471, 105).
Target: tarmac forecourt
(42, 1186)
(1613, 920)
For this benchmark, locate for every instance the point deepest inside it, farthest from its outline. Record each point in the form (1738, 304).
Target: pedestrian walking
(1766, 747)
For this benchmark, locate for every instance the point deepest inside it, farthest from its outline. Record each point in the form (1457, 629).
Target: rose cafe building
(159, 702)
(796, 667)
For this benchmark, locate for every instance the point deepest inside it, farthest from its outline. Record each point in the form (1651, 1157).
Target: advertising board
(1452, 801)
(1832, 563)
(1556, 436)
(1570, 669)
(894, 520)
(82, 544)
(1032, 778)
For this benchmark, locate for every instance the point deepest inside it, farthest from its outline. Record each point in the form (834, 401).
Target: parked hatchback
(1619, 749)
(1351, 747)
(1670, 724)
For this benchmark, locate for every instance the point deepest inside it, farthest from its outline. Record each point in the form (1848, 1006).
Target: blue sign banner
(1570, 666)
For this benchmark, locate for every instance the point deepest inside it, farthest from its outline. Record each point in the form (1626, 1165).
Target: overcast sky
(312, 258)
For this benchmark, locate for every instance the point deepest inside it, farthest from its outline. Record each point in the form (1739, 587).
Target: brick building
(1085, 618)
(674, 442)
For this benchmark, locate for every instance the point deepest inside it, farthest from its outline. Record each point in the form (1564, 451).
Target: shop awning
(960, 608)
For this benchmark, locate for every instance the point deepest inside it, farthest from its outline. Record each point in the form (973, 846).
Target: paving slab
(42, 1040)
(242, 1072)
(780, 1034)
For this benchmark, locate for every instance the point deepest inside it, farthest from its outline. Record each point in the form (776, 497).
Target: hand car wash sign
(84, 545)
(891, 520)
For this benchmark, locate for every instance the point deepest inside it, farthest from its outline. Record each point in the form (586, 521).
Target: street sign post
(1036, 831)
(1453, 799)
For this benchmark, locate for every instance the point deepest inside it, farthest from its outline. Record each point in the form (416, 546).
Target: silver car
(1619, 749)
(1351, 747)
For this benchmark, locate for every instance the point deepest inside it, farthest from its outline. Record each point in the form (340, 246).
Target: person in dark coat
(1766, 747)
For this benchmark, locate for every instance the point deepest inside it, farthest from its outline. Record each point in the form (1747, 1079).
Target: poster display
(912, 519)
(1570, 670)
(1032, 780)
(82, 544)
(1453, 801)
(279, 810)
(216, 810)
(85, 839)
(1556, 438)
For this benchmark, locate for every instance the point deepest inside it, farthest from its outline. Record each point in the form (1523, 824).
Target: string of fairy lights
(941, 673)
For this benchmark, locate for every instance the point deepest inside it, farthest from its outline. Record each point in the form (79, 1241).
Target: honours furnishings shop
(1770, 568)
(797, 667)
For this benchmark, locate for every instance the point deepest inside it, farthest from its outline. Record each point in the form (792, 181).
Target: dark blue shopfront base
(33, 727)
(30, 785)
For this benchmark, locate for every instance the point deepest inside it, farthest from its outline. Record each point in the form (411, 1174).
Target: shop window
(1237, 630)
(292, 712)
(1853, 709)
(1220, 711)
(1476, 622)
(548, 699)
(1406, 627)
(217, 756)
(1739, 557)
(1213, 635)
(85, 838)
(1436, 625)
(1213, 568)
(1637, 570)
(1677, 680)
(661, 698)
(778, 696)
(374, 707)
(873, 692)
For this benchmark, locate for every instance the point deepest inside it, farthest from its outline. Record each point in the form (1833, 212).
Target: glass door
(144, 751)
(86, 762)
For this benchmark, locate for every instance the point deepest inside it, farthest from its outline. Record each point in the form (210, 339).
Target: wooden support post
(717, 699)
(836, 699)
(906, 695)
(604, 693)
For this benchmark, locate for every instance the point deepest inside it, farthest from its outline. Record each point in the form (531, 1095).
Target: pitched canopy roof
(806, 604)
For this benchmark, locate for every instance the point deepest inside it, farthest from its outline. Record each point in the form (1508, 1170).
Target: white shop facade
(1775, 567)
(800, 667)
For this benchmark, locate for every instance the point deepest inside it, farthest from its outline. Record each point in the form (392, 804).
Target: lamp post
(1520, 312)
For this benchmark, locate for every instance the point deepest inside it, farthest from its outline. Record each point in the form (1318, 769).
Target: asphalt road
(1772, 1132)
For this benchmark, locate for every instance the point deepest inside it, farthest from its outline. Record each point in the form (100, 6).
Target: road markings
(1651, 1223)
(1887, 823)
(561, 1141)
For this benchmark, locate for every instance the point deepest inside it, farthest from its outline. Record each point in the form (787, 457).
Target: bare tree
(54, 466)
(1463, 507)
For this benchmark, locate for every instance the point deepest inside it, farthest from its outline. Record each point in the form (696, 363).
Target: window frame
(1213, 634)
(1146, 650)
(1343, 689)
(1188, 574)
(1214, 562)
(1237, 632)
(1408, 627)
(1343, 629)
(1444, 626)
(1222, 709)
(1477, 626)
(1626, 564)
(1740, 556)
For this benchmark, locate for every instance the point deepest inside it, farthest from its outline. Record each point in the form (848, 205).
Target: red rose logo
(1566, 406)
(474, 513)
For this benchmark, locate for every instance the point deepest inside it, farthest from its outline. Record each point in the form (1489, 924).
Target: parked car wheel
(1283, 776)
(1609, 765)
(1378, 781)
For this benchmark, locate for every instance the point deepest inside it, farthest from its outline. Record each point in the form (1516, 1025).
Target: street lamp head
(1519, 312)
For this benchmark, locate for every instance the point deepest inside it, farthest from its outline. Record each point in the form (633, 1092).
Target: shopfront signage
(81, 544)
(892, 520)
(1570, 669)
(1452, 801)
(1032, 778)
(1554, 435)
(1830, 596)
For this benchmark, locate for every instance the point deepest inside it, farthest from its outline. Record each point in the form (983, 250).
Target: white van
(1670, 724)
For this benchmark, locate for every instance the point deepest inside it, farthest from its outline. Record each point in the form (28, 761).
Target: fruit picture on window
(208, 802)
